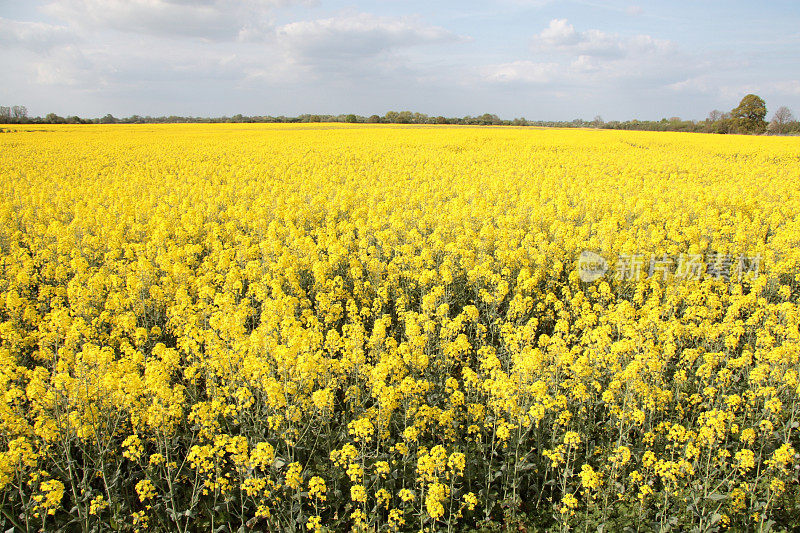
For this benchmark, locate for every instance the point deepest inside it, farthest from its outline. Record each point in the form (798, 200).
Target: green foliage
(750, 114)
(747, 118)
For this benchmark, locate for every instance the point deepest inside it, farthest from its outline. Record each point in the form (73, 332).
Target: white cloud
(206, 19)
(791, 87)
(584, 63)
(695, 85)
(559, 33)
(561, 37)
(520, 71)
(564, 57)
(56, 73)
(36, 36)
(717, 85)
(349, 49)
(527, 3)
(253, 56)
(356, 35)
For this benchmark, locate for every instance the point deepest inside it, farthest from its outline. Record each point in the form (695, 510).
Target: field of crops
(318, 327)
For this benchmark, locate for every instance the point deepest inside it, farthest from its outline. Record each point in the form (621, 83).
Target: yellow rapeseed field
(314, 327)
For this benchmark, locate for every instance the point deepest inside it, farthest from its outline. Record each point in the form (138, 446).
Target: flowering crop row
(385, 328)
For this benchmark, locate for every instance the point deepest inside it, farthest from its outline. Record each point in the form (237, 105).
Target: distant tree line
(748, 117)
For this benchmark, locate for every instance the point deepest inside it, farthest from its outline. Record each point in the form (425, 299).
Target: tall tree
(781, 120)
(19, 112)
(750, 114)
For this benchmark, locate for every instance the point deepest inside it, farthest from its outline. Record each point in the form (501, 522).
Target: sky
(538, 59)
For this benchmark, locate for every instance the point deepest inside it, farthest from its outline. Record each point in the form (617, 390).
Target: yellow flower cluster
(392, 328)
(317, 488)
